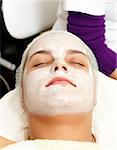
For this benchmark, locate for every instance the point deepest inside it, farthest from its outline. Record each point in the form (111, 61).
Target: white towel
(13, 118)
(54, 145)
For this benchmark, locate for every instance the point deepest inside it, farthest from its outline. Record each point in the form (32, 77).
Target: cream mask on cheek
(46, 95)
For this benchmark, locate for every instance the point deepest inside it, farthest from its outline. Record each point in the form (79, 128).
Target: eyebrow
(76, 52)
(43, 52)
(70, 51)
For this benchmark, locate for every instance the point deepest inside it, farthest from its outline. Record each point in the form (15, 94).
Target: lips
(59, 80)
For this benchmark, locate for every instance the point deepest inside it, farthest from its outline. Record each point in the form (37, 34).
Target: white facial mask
(62, 98)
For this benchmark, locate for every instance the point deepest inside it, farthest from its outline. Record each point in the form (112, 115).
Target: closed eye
(77, 63)
(39, 60)
(41, 64)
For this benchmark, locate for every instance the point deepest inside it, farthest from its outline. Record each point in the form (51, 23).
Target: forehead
(57, 43)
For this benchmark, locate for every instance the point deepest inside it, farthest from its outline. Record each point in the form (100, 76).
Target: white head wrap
(20, 70)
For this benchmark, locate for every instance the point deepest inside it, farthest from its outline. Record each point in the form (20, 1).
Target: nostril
(56, 68)
(60, 67)
(64, 68)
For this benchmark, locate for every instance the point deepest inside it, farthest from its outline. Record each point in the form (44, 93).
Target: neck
(64, 127)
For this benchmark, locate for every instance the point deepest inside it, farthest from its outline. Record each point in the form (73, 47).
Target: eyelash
(71, 63)
(39, 64)
(77, 63)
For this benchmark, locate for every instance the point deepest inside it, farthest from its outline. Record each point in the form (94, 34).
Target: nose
(59, 66)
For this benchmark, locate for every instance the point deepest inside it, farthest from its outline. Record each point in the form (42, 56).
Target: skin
(66, 126)
(114, 74)
(5, 142)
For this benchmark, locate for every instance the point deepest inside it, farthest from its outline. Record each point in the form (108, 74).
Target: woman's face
(58, 78)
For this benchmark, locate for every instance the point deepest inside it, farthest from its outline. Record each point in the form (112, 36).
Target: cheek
(36, 79)
(83, 80)
(81, 76)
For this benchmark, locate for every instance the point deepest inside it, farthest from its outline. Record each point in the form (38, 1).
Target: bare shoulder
(5, 142)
